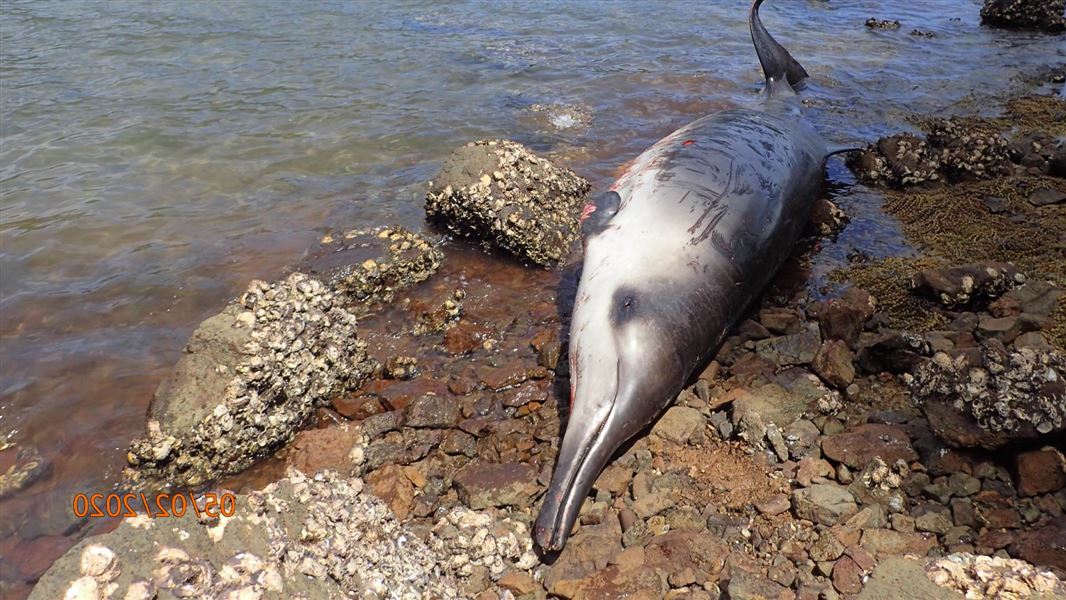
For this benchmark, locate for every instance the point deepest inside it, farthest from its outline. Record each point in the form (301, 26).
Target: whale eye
(624, 306)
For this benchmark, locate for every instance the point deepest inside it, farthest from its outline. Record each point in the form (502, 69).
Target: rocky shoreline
(835, 447)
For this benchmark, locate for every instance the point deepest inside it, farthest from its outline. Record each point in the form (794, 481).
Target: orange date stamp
(209, 505)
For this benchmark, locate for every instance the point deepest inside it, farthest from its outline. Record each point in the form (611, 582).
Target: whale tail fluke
(777, 64)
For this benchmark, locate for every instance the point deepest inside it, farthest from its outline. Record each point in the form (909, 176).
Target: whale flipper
(777, 64)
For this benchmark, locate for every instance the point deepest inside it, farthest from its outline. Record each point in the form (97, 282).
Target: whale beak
(586, 448)
(613, 399)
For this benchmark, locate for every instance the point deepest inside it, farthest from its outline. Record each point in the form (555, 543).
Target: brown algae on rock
(500, 193)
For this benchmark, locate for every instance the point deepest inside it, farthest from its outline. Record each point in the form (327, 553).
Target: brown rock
(774, 505)
(857, 447)
(482, 485)
(847, 576)
(588, 551)
(834, 363)
(613, 582)
(843, 318)
(318, 449)
(887, 542)
(1045, 546)
(614, 479)
(357, 407)
(432, 411)
(810, 468)
(1000, 518)
(678, 551)
(1040, 471)
(391, 485)
(466, 336)
(518, 582)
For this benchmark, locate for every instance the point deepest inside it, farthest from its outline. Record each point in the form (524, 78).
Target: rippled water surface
(157, 155)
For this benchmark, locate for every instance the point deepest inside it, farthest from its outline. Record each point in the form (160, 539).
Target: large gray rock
(250, 377)
(500, 193)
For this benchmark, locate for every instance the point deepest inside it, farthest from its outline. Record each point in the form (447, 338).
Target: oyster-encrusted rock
(1026, 14)
(993, 577)
(1010, 395)
(961, 285)
(250, 377)
(369, 265)
(500, 193)
(302, 537)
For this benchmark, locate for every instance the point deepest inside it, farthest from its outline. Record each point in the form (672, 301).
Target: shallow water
(157, 156)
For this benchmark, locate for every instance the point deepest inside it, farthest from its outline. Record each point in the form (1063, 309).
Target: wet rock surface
(499, 193)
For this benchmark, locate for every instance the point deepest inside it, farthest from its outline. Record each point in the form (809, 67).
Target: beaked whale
(675, 253)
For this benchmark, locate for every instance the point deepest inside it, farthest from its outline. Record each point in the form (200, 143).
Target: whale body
(675, 253)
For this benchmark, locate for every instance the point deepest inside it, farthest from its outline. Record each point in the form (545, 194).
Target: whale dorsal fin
(777, 64)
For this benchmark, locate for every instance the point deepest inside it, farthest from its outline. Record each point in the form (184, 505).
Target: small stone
(1040, 471)
(795, 349)
(774, 505)
(518, 582)
(432, 411)
(1046, 196)
(833, 363)
(962, 484)
(857, 447)
(484, 485)
(823, 503)
(679, 424)
(886, 542)
(847, 576)
(933, 521)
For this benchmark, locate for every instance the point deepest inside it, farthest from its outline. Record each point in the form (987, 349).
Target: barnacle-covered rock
(250, 377)
(1025, 14)
(966, 148)
(898, 160)
(302, 537)
(500, 193)
(1008, 395)
(369, 265)
(964, 284)
(953, 149)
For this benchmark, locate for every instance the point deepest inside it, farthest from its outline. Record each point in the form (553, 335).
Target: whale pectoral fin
(842, 150)
(598, 212)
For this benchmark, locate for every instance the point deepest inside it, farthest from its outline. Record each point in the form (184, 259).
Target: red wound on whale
(588, 210)
(688, 142)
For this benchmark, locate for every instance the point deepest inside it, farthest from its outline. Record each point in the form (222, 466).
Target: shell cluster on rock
(993, 577)
(500, 193)
(1021, 391)
(402, 258)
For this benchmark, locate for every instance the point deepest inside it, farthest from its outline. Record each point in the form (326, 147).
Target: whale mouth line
(567, 492)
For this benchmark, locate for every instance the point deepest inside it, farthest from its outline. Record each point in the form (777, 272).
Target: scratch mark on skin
(713, 205)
